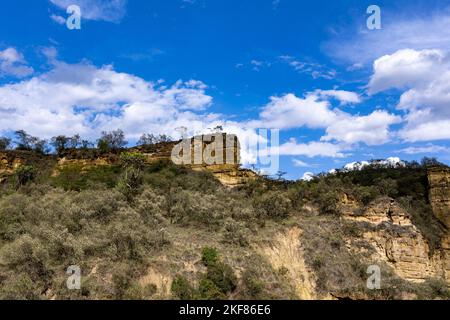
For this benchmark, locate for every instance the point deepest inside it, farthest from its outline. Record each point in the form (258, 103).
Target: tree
(75, 141)
(24, 140)
(60, 143)
(86, 144)
(133, 165)
(24, 174)
(280, 175)
(431, 162)
(147, 139)
(113, 140)
(4, 143)
(29, 143)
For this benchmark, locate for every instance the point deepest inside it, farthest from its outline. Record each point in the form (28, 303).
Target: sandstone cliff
(398, 242)
(439, 181)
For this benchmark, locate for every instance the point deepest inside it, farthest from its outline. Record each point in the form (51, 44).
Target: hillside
(141, 227)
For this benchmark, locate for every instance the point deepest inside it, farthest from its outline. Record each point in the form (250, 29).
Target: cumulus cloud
(12, 63)
(315, 111)
(372, 129)
(85, 99)
(290, 111)
(424, 80)
(99, 10)
(405, 68)
(345, 97)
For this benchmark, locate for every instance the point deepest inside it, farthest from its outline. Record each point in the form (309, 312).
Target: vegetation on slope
(163, 231)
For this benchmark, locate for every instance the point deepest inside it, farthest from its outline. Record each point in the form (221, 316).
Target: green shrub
(209, 291)
(222, 276)
(20, 287)
(273, 204)
(75, 178)
(24, 174)
(182, 289)
(210, 256)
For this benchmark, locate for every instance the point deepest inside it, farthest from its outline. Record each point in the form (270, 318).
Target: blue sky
(337, 91)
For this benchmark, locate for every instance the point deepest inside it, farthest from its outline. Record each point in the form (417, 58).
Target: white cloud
(428, 149)
(308, 176)
(99, 10)
(315, 70)
(405, 68)
(300, 164)
(313, 112)
(310, 149)
(345, 97)
(58, 19)
(12, 63)
(372, 129)
(82, 98)
(289, 112)
(424, 78)
(391, 162)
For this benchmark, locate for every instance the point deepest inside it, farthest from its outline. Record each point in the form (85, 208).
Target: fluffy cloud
(99, 10)
(12, 63)
(405, 68)
(85, 99)
(372, 129)
(345, 97)
(314, 111)
(289, 112)
(424, 78)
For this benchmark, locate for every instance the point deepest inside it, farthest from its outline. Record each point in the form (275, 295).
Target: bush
(182, 289)
(273, 204)
(233, 233)
(133, 165)
(209, 291)
(253, 285)
(21, 287)
(210, 256)
(23, 175)
(222, 275)
(75, 178)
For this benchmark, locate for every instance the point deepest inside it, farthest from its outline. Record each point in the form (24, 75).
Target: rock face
(396, 241)
(11, 160)
(439, 182)
(218, 153)
(439, 195)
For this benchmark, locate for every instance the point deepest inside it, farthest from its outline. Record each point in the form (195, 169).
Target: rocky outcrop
(218, 153)
(8, 163)
(439, 193)
(396, 241)
(11, 160)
